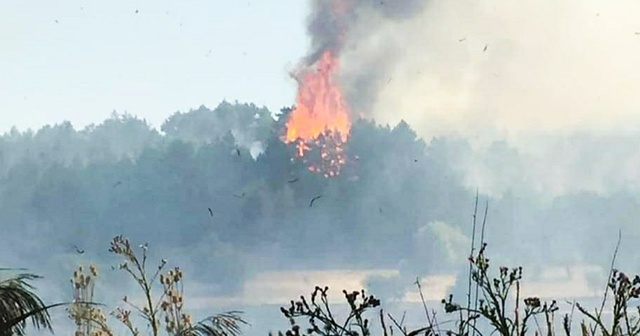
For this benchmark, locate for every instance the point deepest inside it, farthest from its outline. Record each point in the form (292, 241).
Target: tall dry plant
(90, 320)
(162, 313)
(322, 321)
(625, 318)
(505, 318)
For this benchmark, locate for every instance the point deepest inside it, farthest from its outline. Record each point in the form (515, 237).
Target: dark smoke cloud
(330, 21)
(341, 26)
(326, 28)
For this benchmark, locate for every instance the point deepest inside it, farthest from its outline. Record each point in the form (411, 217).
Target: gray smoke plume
(553, 82)
(330, 21)
(346, 27)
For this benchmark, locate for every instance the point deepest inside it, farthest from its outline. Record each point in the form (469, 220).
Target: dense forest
(221, 188)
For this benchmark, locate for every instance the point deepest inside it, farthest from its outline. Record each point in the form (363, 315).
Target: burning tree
(319, 125)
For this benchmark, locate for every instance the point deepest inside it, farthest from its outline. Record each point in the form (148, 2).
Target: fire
(320, 123)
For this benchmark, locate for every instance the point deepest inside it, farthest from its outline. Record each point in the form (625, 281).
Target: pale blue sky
(102, 56)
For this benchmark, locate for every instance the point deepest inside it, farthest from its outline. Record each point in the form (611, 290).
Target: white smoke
(542, 75)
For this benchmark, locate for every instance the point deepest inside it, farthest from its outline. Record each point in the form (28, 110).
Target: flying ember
(319, 124)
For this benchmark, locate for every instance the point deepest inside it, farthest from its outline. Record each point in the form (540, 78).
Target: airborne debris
(462, 39)
(313, 200)
(210, 212)
(293, 180)
(78, 250)
(240, 196)
(117, 184)
(485, 47)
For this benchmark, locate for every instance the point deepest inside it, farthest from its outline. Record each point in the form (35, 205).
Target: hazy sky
(549, 65)
(518, 66)
(80, 60)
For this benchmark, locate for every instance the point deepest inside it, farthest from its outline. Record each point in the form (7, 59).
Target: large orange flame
(320, 121)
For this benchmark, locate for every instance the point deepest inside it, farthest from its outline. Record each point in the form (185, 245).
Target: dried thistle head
(533, 302)
(94, 270)
(121, 246)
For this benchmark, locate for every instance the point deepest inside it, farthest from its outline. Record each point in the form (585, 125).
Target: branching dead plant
(163, 312)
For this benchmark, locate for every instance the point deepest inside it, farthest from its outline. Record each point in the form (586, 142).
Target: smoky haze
(529, 102)
(555, 80)
(402, 208)
(465, 67)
